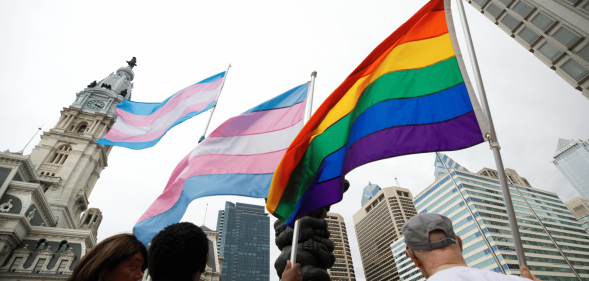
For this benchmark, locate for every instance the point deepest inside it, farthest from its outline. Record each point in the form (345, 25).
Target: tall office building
(579, 206)
(378, 224)
(244, 242)
(556, 31)
(407, 269)
(343, 268)
(572, 159)
(478, 213)
(441, 170)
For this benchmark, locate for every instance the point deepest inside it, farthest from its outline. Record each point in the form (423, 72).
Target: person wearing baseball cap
(437, 251)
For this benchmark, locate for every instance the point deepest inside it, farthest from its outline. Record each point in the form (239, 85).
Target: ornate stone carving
(6, 206)
(31, 214)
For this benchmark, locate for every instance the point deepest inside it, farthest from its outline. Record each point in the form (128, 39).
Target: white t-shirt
(460, 273)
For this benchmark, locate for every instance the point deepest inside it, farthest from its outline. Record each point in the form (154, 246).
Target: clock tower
(68, 154)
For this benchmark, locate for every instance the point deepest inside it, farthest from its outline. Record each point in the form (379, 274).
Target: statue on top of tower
(132, 62)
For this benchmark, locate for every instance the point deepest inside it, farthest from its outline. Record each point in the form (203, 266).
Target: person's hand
(291, 273)
(527, 274)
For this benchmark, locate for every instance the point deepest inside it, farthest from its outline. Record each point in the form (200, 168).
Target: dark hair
(178, 252)
(106, 256)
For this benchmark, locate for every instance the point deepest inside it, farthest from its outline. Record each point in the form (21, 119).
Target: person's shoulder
(468, 273)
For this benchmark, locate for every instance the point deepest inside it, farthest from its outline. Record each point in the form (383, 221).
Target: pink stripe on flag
(170, 105)
(261, 121)
(171, 192)
(211, 164)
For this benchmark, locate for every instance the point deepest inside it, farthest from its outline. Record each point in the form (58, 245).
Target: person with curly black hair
(178, 252)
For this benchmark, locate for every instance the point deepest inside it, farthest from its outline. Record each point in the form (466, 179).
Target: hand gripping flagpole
(308, 113)
(493, 141)
(215, 105)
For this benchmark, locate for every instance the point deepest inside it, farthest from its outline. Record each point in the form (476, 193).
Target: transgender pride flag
(238, 158)
(141, 125)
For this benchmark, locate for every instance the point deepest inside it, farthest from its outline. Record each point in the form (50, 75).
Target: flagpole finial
(314, 74)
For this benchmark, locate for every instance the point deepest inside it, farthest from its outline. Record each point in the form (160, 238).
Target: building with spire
(378, 224)
(572, 160)
(369, 191)
(45, 223)
(556, 32)
(440, 170)
(475, 204)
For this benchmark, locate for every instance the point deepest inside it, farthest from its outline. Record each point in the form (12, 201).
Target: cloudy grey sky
(49, 51)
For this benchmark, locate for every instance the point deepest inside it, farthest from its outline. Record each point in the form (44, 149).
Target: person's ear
(459, 242)
(415, 260)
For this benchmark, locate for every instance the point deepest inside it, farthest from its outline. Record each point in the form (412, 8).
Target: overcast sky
(50, 50)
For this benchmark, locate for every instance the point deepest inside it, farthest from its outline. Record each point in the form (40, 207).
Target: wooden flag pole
(308, 113)
(493, 141)
(215, 105)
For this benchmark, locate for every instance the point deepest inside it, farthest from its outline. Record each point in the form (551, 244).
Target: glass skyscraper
(572, 159)
(478, 213)
(244, 242)
(407, 269)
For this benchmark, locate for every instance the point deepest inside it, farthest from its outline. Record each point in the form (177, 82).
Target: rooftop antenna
(397, 182)
(38, 130)
(205, 219)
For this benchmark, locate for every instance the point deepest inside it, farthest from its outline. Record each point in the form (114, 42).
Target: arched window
(82, 129)
(60, 155)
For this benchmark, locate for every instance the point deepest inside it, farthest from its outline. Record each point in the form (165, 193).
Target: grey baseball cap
(417, 229)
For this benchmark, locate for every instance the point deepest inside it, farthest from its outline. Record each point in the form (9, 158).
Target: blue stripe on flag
(289, 98)
(202, 186)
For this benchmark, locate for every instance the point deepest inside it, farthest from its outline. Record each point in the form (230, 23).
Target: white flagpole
(214, 105)
(493, 141)
(308, 113)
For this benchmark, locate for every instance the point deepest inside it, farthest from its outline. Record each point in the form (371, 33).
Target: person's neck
(446, 265)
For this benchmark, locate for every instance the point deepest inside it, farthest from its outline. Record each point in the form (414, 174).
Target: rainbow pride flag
(238, 158)
(410, 95)
(141, 125)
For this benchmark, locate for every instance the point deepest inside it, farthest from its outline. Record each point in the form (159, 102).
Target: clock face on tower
(95, 104)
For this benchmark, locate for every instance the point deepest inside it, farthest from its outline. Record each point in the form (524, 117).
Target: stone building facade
(579, 206)
(45, 223)
(378, 224)
(343, 268)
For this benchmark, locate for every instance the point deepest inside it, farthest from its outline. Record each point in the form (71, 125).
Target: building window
(16, 263)
(523, 9)
(82, 129)
(39, 265)
(510, 22)
(481, 3)
(566, 37)
(586, 7)
(62, 266)
(574, 69)
(543, 21)
(528, 35)
(572, 2)
(506, 2)
(584, 53)
(550, 51)
(494, 10)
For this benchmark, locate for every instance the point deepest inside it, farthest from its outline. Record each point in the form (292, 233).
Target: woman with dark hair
(118, 258)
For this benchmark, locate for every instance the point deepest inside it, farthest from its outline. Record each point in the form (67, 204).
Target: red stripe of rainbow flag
(410, 95)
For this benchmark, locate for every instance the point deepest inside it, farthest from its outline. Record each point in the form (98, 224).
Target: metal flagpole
(39, 129)
(545, 229)
(214, 105)
(476, 222)
(493, 140)
(308, 113)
